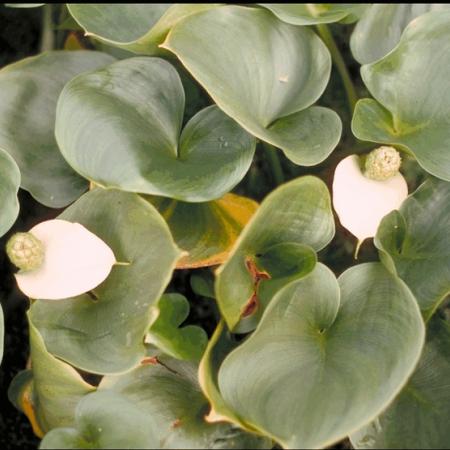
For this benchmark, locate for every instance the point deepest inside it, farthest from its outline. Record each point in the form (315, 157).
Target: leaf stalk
(339, 63)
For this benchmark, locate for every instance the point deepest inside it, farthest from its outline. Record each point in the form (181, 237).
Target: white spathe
(75, 262)
(360, 202)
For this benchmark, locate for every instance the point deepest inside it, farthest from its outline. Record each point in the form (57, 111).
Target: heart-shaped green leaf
(326, 358)
(419, 416)
(413, 243)
(120, 127)
(56, 387)
(29, 90)
(154, 406)
(314, 13)
(296, 216)
(381, 26)
(208, 230)
(412, 95)
(263, 73)
(167, 393)
(104, 420)
(169, 313)
(9, 186)
(103, 331)
(139, 28)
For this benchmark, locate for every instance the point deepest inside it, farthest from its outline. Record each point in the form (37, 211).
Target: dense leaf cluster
(141, 130)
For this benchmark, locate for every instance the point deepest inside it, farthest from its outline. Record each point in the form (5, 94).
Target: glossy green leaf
(263, 73)
(29, 90)
(9, 186)
(104, 420)
(381, 26)
(206, 231)
(56, 387)
(120, 127)
(139, 28)
(103, 331)
(296, 215)
(412, 99)
(419, 416)
(167, 393)
(187, 342)
(414, 243)
(326, 358)
(314, 13)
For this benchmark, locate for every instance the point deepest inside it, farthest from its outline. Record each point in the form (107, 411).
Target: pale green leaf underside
(187, 342)
(120, 127)
(414, 243)
(296, 213)
(381, 26)
(412, 95)
(313, 13)
(104, 332)
(420, 414)
(139, 28)
(29, 90)
(263, 73)
(326, 358)
(9, 186)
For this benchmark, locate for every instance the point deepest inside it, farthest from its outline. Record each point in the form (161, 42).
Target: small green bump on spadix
(382, 163)
(25, 251)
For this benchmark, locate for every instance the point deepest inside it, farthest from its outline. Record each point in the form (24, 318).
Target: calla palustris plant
(199, 164)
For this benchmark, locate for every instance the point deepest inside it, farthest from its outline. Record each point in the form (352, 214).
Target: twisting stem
(274, 162)
(339, 62)
(47, 36)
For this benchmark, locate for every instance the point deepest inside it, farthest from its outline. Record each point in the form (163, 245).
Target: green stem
(47, 35)
(339, 62)
(60, 33)
(274, 162)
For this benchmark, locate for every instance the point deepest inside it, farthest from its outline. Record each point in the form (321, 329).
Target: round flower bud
(382, 163)
(25, 251)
